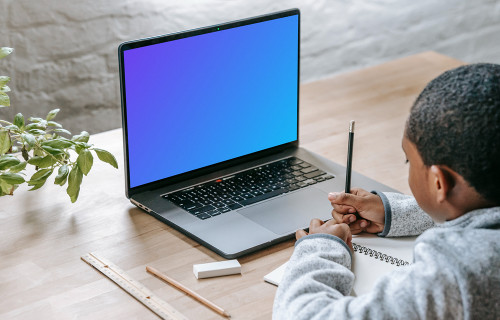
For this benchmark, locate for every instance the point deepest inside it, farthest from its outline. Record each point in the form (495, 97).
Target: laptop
(211, 134)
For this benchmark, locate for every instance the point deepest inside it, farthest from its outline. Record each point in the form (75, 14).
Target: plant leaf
(4, 80)
(25, 153)
(7, 161)
(5, 188)
(4, 99)
(82, 137)
(5, 51)
(4, 88)
(35, 119)
(29, 138)
(74, 181)
(43, 162)
(39, 178)
(63, 156)
(62, 175)
(17, 168)
(54, 124)
(12, 128)
(85, 161)
(11, 178)
(60, 143)
(79, 146)
(60, 130)
(42, 174)
(4, 142)
(52, 114)
(106, 157)
(37, 185)
(37, 152)
(51, 150)
(36, 131)
(34, 125)
(19, 120)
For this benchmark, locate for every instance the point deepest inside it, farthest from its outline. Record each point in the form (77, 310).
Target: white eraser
(216, 269)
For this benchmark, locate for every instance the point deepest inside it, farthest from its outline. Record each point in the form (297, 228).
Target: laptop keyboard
(248, 187)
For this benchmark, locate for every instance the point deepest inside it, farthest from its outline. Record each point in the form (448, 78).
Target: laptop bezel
(221, 165)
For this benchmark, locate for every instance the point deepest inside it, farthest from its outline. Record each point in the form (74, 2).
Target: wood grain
(43, 235)
(186, 290)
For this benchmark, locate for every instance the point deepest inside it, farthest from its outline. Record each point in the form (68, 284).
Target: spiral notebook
(373, 257)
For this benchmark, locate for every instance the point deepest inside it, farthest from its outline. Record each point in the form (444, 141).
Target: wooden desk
(43, 235)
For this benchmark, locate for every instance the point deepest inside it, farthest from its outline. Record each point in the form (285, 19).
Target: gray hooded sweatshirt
(455, 272)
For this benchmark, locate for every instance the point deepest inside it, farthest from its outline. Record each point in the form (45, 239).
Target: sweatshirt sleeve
(318, 281)
(403, 216)
(318, 273)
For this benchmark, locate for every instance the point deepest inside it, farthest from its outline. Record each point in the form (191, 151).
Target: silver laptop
(210, 131)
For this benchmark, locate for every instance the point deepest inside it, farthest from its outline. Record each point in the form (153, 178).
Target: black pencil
(349, 158)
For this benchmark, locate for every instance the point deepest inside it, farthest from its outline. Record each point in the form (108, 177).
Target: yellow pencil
(187, 291)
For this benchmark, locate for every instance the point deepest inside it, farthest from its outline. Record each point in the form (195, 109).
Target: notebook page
(367, 270)
(274, 277)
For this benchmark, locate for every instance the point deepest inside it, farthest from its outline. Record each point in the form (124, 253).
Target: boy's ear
(442, 181)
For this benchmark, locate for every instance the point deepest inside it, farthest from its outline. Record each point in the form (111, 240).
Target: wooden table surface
(43, 235)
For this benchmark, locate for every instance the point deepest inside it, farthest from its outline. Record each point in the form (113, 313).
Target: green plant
(42, 145)
(4, 98)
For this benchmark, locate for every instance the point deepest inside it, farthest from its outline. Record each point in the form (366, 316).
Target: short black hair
(455, 121)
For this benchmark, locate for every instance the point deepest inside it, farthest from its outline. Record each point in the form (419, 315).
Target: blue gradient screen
(201, 100)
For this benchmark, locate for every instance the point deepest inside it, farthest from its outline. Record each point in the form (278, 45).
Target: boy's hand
(367, 205)
(330, 227)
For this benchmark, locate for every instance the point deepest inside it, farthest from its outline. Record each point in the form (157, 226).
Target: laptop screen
(201, 100)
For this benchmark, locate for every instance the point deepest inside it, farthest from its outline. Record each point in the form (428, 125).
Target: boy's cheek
(419, 188)
(424, 196)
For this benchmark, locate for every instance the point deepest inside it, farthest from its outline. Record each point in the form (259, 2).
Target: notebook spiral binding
(379, 255)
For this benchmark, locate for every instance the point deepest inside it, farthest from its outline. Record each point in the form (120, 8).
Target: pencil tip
(351, 126)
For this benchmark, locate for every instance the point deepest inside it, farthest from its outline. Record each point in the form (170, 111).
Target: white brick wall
(66, 50)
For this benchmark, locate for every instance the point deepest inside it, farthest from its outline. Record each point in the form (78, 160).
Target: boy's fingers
(343, 218)
(349, 218)
(338, 217)
(344, 198)
(346, 228)
(375, 227)
(342, 231)
(300, 233)
(359, 191)
(349, 243)
(355, 229)
(343, 208)
(331, 223)
(315, 223)
(359, 226)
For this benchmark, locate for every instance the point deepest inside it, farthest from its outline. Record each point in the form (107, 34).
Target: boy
(452, 145)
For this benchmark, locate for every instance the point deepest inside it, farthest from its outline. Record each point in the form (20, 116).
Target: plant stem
(40, 147)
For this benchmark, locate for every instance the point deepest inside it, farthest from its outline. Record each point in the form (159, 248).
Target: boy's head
(453, 136)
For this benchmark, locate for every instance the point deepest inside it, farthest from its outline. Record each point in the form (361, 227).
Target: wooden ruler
(133, 287)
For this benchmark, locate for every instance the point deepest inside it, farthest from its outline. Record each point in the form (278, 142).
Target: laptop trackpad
(285, 215)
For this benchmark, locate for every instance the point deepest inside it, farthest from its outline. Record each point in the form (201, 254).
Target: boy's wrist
(324, 236)
(387, 213)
